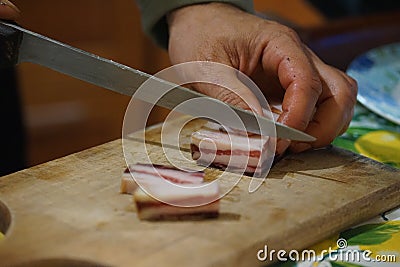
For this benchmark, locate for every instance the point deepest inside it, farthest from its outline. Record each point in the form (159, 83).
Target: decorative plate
(378, 75)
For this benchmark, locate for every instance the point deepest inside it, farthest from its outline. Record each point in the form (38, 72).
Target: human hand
(8, 10)
(316, 98)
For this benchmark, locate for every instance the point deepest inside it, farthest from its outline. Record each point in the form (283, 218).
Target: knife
(19, 45)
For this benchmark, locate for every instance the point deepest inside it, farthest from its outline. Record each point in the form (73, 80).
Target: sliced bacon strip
(229, 150)
(178, 202)
(149, 208)
(151, 173)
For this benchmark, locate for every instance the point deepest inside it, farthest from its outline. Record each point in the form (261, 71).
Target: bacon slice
(151, 173)
(232, 149)
(229, 150)
(179, 194)
(149, 208)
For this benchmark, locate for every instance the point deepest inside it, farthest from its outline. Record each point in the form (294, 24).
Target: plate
(378, 75)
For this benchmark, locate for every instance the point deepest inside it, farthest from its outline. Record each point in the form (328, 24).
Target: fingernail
(300, 147)
(11, 5)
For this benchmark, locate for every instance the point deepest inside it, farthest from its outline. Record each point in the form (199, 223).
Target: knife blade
(19, 45)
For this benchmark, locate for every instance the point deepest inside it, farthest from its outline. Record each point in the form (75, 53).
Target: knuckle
(230, 97)
(314, 86)
(289, 32)
(281, 32)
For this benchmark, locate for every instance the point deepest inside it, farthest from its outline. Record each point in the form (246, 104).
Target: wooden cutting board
(68, 212)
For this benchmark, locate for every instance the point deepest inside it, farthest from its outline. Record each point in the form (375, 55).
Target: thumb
(8, 10)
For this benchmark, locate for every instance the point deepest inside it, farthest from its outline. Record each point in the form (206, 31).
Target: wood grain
(70, 209)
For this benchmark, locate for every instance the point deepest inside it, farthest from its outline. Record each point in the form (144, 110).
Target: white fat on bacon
(151, 173)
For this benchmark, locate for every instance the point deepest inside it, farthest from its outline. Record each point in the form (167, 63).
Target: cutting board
(69, 212)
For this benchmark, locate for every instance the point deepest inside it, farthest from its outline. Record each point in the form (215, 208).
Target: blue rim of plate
(377, 73)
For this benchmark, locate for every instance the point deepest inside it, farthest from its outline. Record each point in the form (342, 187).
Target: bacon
(178, 203)
(232, 149)
(128, 184)
(151, 173)
(169, 193)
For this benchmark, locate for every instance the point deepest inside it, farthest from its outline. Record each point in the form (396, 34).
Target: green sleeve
(154, 13)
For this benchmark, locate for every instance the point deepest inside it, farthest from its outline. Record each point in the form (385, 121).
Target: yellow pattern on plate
(382, 146)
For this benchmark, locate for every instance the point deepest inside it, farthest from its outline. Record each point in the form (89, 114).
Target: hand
(316, 98)
(8, 10)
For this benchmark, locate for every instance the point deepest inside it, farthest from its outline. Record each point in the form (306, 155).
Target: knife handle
(10, 41)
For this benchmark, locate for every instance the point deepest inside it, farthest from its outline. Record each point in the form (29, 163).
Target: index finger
(299, 78)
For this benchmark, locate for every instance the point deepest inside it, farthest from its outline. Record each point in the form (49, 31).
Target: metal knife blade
(35, 48)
